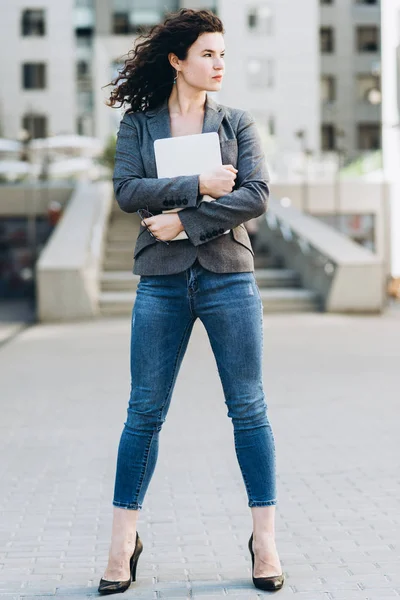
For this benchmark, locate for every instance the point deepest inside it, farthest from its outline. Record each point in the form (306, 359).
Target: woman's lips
(218, 77)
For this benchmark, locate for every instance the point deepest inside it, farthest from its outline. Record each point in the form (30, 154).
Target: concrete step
(124, 223)
(267, 261)
(122, 238)
(125, 230)
(116, 264)
(118, 248)
(116, 303)
(120, 244)
(119, 281)
(276, 278)
(275, 300)
(127, 281)
(289, 300)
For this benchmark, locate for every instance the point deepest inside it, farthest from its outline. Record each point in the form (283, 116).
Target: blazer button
(185, 201)
(179, 202)
(215, 232)
(208, 235)
(165, 203)
(172, 202)
(221, 230)
(202, 237)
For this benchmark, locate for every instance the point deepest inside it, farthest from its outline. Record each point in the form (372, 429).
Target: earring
(176, 77)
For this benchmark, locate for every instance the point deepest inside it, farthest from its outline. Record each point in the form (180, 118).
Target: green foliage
(366, 163)
(108, 156)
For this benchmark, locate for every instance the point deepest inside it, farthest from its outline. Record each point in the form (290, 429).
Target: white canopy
(68, 142)
(14, 167)
(9, 145)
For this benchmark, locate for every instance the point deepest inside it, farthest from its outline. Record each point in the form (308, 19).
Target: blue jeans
(165, 309)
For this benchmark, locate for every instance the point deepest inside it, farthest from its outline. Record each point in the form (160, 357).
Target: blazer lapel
(213, 116)
(158, 121)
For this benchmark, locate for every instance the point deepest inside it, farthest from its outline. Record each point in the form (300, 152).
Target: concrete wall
(23, 199)
(391, 120)
(347, 277)
(69, 267)
(354, 197)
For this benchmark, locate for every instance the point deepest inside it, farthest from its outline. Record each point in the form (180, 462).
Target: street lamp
(301, 134)
(25, 137)
(340, 153)
(374, 96)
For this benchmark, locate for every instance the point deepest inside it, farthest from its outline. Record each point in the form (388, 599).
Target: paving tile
(337, 514)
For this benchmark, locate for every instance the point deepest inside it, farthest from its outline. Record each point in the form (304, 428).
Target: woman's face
(204, 66)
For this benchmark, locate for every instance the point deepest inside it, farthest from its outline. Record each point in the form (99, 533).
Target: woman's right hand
(219, 182)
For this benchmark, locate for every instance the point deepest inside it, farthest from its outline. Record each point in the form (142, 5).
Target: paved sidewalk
(333, 389)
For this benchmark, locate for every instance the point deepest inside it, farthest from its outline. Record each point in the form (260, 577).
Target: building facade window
(368, 88)
(371, 2)
(85, 101)
(35, 125)
(328, 89)
(327, 40)
(328, 137)
(260, 19)
(367, 38)
(82, 69)
(369, 136)
(260, 73)
(34, 76)
(134, 17)
(33, 23)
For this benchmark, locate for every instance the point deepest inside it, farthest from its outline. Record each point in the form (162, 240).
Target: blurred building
(391, 120)
(265, 73)
(309, 71)
(350, 47)
(37, 68)
(62, 54)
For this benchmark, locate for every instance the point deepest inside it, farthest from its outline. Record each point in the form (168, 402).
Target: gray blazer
(136, 186)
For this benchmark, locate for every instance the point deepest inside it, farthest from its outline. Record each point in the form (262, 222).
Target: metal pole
(337, 203)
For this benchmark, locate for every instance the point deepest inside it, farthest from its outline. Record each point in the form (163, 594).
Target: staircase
(279, 287)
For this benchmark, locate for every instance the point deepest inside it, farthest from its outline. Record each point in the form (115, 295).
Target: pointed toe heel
(268, 584)
(117, 587)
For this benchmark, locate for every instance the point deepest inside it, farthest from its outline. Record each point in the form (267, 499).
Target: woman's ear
(173, 60)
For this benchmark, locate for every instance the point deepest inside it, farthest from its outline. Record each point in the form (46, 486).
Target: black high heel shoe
(116, 587)
(269, 584)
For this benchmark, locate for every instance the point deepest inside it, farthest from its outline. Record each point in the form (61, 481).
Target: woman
(209, 275)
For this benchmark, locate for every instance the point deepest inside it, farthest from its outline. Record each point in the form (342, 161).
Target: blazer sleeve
(248, 200)
(133, 190)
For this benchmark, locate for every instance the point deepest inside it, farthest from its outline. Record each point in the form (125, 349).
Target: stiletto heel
(116, 587)
(269, 584)
(134, 560)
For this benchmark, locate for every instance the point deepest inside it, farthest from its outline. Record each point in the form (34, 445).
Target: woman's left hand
(164, 227)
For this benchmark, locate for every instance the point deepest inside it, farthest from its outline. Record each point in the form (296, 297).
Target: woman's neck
(183, 103)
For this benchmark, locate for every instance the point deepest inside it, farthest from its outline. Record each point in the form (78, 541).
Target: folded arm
(133, 190)
(211, 219)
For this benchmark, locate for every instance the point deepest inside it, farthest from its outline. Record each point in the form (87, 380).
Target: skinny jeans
(165, 309)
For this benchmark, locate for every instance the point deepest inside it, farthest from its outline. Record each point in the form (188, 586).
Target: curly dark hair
(147, 77)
